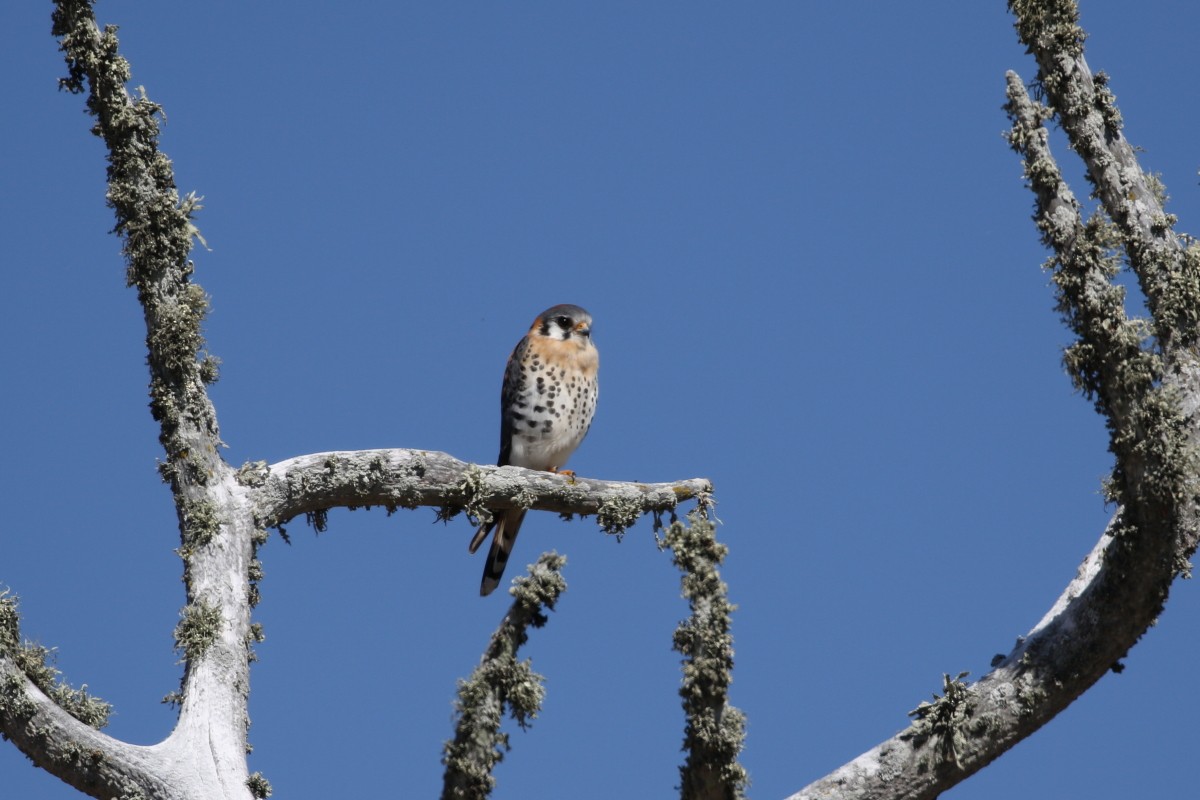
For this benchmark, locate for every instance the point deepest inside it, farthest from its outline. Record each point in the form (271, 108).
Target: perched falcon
(546, 408)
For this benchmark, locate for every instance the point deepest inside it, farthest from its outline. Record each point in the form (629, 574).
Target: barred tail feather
(507, 524)
(482, 534)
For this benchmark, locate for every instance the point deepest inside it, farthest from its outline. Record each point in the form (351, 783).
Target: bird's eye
(564, 322)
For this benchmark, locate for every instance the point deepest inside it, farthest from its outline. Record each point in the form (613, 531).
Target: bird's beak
(583, 329)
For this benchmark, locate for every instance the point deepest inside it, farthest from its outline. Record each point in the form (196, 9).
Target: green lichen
(10, 622)
(200, 524)
(617, 514)
(37, 663)
(255, 574)
(499, 682)
(1167, 275)
(254, 635)
(524, 498)
(198, 628)
(1052, 24)
(258, 785)
(946, 722)
(81, 756)
(1178, 305)
(1106, 104)
(177, 337)
(132, 793)
(715, 732)
(14, 702)
(1030, 694)
(253, 474)
(472, 492)
(406, 491)
(1122, 364)
(157, 229)
(368, 479)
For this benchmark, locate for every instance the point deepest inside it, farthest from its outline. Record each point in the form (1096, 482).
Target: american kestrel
(546, 408)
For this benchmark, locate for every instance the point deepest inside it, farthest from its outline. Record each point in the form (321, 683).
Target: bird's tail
(482, 533)
(506, 524)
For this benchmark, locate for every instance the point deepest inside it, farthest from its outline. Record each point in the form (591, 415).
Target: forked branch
(1142, 375)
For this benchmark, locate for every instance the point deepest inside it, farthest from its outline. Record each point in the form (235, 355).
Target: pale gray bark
(398, 478)
(223, 513)
(1150, 395)
(80, 755)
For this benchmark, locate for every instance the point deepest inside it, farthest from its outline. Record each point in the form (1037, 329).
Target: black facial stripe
(562, 322)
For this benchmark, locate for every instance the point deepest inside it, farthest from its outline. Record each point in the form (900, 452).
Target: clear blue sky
(814, 279)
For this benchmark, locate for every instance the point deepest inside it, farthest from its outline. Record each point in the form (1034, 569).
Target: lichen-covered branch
(157, 230)
(500, 680)
(715, 730)
(57, 726)
(216, 530)
(222, 515)
(1141, 375)
(35, 662)
(398, 478)
(1148, 393)
(1086, 108)
(1109, 360)
(969, 725)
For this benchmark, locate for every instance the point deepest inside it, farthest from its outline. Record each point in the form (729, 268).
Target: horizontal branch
(399, 478)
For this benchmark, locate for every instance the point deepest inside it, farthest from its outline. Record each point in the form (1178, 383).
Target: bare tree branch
(398, 478)
(500, 680)
(222, 513)
(1142, 375)
(715, 729)
(1087, 110)
(81, 756)
(215, 530)
(57, 726)
(1149, 398)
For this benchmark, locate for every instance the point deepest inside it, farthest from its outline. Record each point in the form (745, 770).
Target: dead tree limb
(1144, 379)
(223, 512)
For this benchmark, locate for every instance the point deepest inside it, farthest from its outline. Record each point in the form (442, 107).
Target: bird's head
(564, 323)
